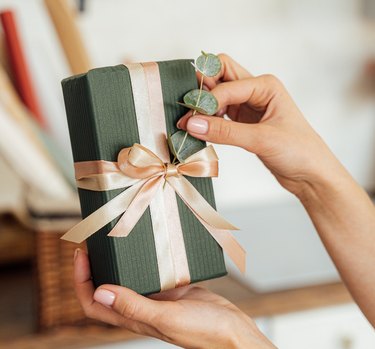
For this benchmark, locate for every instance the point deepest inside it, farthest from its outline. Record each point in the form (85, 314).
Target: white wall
(316, 47)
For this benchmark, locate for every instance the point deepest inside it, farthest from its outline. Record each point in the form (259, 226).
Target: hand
(191, 317)
(263, 120)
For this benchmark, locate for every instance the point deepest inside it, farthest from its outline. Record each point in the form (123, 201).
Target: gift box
(114, 108)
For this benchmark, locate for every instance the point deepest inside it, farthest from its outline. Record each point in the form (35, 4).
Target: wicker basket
(57, 303)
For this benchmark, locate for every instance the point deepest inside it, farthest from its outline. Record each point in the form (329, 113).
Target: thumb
(128, 303)
(218, 130)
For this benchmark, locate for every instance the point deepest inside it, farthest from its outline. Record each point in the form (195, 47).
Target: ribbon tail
(216, 225)
(229, 245)
(104, 182)
(197, 203)
(136, 208)
(102, 216)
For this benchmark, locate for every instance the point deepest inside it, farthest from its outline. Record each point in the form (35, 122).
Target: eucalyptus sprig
(181, 144)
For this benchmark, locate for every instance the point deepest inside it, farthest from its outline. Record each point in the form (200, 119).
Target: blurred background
(323, 51)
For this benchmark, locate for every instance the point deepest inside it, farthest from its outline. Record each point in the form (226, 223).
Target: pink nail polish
(220, 112)
(104, 297)
(197, 125)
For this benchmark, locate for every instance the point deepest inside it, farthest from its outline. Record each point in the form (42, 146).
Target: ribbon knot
(142, 172)
(171, 170)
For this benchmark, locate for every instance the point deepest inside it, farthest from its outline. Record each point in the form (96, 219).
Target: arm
(344, 217)
(266, 121)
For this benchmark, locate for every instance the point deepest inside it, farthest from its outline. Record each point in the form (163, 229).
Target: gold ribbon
(143, 172)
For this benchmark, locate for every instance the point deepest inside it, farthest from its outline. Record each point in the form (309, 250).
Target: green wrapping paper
(102, 121)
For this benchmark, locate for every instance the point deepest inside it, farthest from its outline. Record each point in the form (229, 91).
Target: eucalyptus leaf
(208, 64)
(202, 101)
(190, 146)
(193, 107)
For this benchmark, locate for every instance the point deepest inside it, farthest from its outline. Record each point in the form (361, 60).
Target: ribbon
(142, 172)
(165, 219)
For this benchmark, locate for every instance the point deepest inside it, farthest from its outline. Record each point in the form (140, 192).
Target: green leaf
(193, 107)
(208, 64)
(202, 101)
(190, 146)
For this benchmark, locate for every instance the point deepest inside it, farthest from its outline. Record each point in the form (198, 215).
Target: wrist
(325, 186)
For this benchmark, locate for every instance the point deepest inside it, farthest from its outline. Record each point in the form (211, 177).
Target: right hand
(264, 120)
(189, 316)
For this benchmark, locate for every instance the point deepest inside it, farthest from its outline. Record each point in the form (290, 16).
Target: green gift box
(103, 118)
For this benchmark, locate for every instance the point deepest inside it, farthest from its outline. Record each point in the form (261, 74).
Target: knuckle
(260, 139)
(88, 311)
(224, 57)
(272, 80)
(223, 131)
(127, 309)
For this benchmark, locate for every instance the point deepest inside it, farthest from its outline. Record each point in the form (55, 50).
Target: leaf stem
(200, 91)
(194, 111)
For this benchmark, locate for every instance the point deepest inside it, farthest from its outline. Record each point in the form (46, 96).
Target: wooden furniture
(16, 241)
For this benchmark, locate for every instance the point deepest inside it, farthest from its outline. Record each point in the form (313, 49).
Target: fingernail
(76, 253)
(197, 125)
(104, 297)
(178, 124)
(220, 112)
(205, 87)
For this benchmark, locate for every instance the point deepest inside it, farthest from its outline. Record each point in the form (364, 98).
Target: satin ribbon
(165, 219)
(143, 172)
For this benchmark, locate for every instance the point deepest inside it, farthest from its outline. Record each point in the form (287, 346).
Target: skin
(264, 120)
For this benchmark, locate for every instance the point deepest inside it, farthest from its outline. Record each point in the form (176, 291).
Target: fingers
(85, 291)
(82, 278)
(128, 303)
(230, 70)
(257, 92)
(218, 130)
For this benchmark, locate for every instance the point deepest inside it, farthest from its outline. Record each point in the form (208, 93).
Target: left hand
(190, 316)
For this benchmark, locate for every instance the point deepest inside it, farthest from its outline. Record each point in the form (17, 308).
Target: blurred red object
(19, 66)
(370, 67)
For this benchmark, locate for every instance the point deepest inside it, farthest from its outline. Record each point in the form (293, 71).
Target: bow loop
(204, 163)
(139, 162)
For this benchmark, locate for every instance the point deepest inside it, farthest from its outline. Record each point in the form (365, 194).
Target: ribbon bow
(143, 172)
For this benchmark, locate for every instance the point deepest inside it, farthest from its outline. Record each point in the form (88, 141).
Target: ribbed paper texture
(102, 121)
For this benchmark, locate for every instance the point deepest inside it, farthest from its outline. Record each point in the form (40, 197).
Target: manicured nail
(197, 125)
(104, 297)
(76, 253)
(178, 124)
(220, 112)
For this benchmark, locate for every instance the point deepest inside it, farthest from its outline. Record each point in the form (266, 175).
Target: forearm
(344, 217)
